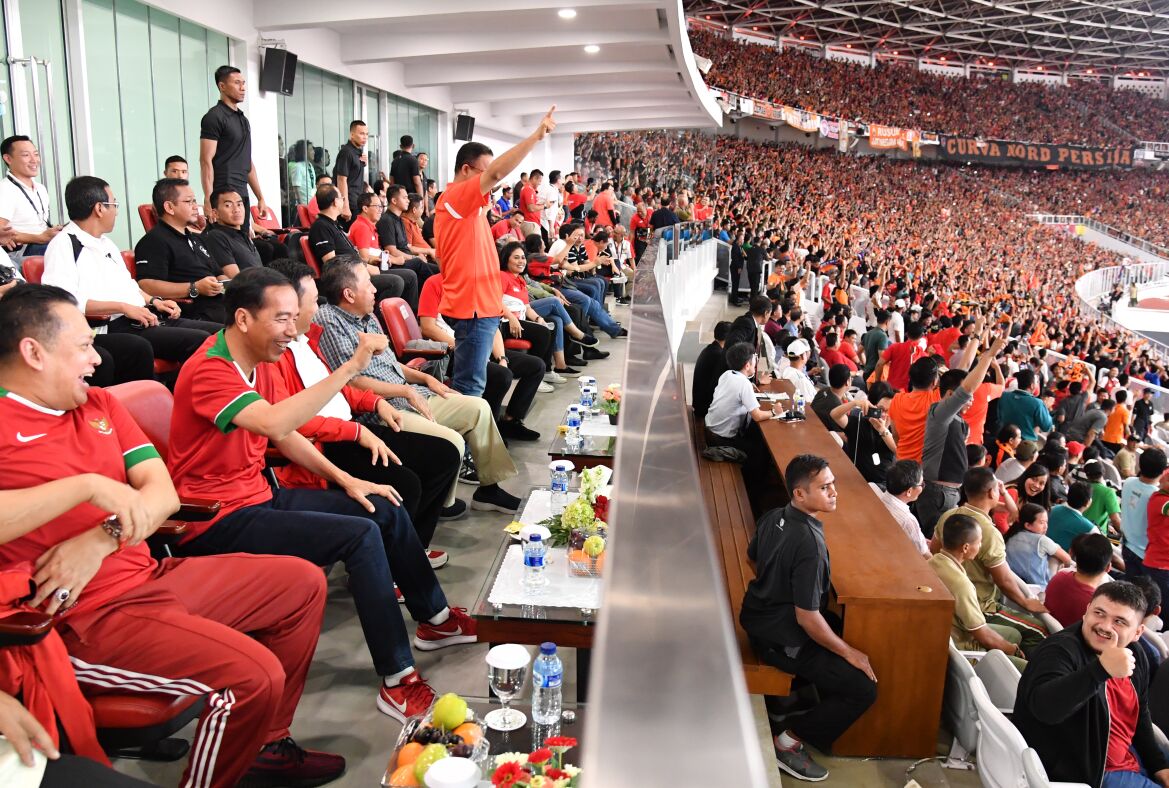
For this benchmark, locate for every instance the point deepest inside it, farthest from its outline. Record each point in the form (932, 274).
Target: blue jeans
(593, 286)
(325, 526)
(594, 311)
(1127, 780)
(473, 339)
(553, 311)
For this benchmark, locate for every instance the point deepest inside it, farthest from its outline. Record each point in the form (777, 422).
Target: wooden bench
(734, 526)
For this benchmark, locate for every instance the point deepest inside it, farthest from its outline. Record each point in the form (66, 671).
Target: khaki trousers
(466, 420)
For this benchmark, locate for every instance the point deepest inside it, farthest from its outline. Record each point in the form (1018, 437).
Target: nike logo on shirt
(27, 438)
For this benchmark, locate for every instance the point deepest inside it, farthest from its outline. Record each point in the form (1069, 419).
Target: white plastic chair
(958, 710)
(1001, 748)
(1037, 776)
(1000, 677)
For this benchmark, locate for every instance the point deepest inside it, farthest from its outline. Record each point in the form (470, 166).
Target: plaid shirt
(338, 342)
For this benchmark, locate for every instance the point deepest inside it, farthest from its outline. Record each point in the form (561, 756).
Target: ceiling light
(592, 49)
(566, 13)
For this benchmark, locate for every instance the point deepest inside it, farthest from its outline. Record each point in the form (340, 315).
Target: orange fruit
(470, 732)
(409, 753)
(580, 557)
(404, 775)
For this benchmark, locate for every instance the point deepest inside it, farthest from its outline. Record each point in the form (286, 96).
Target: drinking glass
(507, 667)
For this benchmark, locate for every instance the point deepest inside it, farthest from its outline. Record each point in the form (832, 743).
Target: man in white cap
(897, 321)
(798, 353)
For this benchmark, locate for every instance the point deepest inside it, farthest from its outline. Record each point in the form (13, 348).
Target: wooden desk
(895, 608)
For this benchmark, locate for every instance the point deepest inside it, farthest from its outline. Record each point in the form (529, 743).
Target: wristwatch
(193, 291)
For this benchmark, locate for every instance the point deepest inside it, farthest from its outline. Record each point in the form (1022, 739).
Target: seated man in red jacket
(239, 630)
(423, 469)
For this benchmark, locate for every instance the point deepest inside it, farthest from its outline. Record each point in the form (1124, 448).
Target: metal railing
(1104, 229)
(667, 696)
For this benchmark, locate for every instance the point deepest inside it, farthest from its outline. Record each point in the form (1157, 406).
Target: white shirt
(97, 274)
(26, 209)
(802, 383)
(312, 371)
(896, 327)
(900, 511)
(553, 212)
(734, 398)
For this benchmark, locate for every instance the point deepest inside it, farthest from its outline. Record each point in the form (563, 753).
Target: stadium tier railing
(668, 704)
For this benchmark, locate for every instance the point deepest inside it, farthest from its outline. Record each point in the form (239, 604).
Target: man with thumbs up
(1083, 700)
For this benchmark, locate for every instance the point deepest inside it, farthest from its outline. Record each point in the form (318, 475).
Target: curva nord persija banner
(1025, 154)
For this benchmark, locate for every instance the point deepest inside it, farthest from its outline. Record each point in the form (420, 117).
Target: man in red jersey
(238, 629)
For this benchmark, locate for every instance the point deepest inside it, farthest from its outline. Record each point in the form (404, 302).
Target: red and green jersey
(209, 456)
(40, 445)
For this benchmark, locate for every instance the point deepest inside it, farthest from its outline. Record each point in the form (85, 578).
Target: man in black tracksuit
(1083, 700)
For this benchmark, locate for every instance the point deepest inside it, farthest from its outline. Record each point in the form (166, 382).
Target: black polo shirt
(326, 236)
(233, 150)
(167, 255)
(228, 247)
(403, 170)
(792, 570)
(391, 231)
(349, 164)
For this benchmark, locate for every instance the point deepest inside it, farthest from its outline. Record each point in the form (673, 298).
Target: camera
(875, 412)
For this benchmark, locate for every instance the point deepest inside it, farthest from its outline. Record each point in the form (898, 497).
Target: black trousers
(422, 269)
(270, 249)
(174, 339)
(71, 771)
(209, 308)
(124, 357)
(736, 272)
(526, 371)
(845, 692)
(541, 339)
(428, 470)
(398, 282)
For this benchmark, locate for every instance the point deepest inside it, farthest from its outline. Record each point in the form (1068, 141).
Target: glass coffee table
(597, 447)
(538, 621)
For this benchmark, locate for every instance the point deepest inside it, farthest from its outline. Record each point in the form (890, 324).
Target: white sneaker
(545, 388)
(554, 378)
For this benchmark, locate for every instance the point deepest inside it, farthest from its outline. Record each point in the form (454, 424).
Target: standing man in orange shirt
(472, 298)
(1117, 425)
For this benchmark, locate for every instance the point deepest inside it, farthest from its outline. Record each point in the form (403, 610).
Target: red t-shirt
(900, 358)
(574, 201)
(39, 445)
(833, 356)
(430, 296)
(467, 251)
(1067, 598)
(513, 286)
(1123, 710)
(500, 229)
(528, 197)
(602, 204)
(975, 415)
(210, 457)
(363, 234)
(1157, 553)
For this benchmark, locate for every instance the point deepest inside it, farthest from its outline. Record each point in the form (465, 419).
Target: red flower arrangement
(544, 766)
(601, 508)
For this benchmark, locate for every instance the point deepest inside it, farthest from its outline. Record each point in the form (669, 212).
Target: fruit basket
(586, 551)
(424, 741)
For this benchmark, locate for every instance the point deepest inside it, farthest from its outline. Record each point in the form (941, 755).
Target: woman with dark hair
(1033, 486)
(526, 318)
(1007, 440)
(302, 178)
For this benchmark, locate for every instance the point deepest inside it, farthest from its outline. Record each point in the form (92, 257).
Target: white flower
(570, 770)
(511, 757)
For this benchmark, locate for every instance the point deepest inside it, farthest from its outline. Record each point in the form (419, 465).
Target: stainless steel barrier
(668, 704)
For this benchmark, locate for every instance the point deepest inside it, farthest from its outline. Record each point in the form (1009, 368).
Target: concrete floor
(337, 711)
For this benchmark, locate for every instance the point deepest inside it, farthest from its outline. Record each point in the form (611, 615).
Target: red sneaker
(399, 595)
(409, 698)
(285, 763)
(458, 628)
(438, 558)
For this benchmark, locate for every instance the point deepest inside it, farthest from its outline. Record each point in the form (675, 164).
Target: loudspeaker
(278, 74)
(464, 128)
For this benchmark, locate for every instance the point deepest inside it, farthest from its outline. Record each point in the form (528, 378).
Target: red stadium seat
(305, 217)
(517, 344)
(310, 259)
(402, 327)
(148, 216)
(150, 403)
(34, 268)
(270, 222)
(128, 259)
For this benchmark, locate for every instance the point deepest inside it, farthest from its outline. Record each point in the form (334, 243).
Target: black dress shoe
(577, 361)
(593, 354)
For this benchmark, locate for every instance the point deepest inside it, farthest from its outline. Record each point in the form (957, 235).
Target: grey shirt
(1093, 419)
(944, 453)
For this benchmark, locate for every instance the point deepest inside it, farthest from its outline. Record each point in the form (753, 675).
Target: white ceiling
(506, 65)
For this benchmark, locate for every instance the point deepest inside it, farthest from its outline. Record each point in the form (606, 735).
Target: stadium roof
(606, 64)
(1068, 35)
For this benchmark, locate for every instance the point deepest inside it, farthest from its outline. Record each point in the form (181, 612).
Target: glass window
(314, 124)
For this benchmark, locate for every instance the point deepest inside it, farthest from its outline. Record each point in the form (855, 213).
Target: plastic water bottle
(547, 680)
(572, 421)
(800, 402)
(561, 469)
(586, 403)
(534, 553)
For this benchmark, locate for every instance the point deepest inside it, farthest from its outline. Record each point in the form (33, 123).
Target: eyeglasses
(189, 201)
(111, 204)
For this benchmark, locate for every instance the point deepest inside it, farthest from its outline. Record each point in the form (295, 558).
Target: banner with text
(887, 136)
(1023, 154)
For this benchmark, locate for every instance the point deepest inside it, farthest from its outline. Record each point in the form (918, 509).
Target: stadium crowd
(932, 365)
(304, 427)
(1084, 113)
